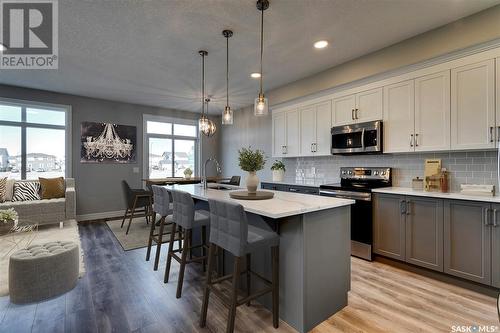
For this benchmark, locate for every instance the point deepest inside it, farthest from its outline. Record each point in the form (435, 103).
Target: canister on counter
(417, 184)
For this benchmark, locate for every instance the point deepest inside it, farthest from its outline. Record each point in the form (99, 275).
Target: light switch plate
(135, 169)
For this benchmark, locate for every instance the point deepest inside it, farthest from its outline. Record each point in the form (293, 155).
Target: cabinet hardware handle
(495, 224)
(315, 147)
(498, 133)
(291, 189)
(408, 204)
(402, 207)
(356, 113)
(352, 114)
(416, 139)
(485, 216)
(411, 140)
(491, 133)
(312, 147)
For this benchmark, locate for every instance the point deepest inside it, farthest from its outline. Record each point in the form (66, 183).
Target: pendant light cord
(227, 71)
(202, 84)
(261, 45)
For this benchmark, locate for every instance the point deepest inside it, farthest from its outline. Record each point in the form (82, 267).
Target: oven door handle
(363, 139)
(347, 195)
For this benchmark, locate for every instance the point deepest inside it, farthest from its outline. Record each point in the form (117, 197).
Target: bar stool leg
(185, 249)
(203, 244)
(124, 217)
(160, 240)
(150, 241)
(275, 254)
(208, 283)
(234, 295)
(248, 264)
(180, 237)
(170, 252)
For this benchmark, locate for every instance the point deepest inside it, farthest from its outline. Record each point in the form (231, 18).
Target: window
(33, 140)
(171, 146)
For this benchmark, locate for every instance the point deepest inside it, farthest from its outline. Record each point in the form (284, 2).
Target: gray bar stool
(185, 216)
(162, 207)
(229, 229)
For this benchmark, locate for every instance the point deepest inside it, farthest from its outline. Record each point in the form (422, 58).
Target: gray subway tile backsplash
(476, 167)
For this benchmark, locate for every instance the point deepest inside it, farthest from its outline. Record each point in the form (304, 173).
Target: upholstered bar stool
(185, 216)
(229, 229)
(163, 207)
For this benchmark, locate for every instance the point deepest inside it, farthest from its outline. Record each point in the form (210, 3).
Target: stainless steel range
(357, 184)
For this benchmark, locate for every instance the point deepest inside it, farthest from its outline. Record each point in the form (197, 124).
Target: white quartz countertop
(452, 196)
(282, 205)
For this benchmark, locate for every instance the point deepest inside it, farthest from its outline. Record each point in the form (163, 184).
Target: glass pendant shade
(227, 116)
(261, 106)
(203, 123)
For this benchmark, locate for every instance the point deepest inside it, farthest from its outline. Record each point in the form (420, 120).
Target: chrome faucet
(219, 170)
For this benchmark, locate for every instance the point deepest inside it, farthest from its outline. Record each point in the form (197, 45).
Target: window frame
(24, 125)
(172, 137)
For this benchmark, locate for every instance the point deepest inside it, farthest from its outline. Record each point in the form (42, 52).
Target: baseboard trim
(98, 216)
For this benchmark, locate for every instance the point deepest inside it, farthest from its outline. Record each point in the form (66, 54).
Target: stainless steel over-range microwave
(361, 138)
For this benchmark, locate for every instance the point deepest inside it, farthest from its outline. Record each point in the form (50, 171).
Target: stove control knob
(350, 172)
(383, 173)
(375, 173)
(343, 172)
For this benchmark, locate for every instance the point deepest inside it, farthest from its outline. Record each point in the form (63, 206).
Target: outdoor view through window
(172, 148)
(32, 141)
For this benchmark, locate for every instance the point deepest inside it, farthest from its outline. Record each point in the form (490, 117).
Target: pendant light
(211, 127)
(261, 106)
(227, 115)
(207, 127)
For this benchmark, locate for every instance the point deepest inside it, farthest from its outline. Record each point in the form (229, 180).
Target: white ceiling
(145, 52)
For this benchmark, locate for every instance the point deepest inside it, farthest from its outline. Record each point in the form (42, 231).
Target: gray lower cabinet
(424, 232)
(389, 226)
(495, 247)
(409, 229)
(467, 240)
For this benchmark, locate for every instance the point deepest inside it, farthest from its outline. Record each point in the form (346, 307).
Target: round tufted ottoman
(42, 271)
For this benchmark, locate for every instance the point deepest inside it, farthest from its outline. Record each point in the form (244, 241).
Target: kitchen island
(315, 250)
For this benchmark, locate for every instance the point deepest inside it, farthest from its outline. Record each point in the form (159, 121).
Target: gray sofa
(46, 211)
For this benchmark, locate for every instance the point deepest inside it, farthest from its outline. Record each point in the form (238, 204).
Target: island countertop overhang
(284, 204)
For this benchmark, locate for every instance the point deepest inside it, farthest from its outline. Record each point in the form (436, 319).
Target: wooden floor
(121, 293)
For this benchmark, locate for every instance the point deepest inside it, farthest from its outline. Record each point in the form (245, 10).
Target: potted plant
(8, 220)
(278, 169)
(251, 161)
(187, 173)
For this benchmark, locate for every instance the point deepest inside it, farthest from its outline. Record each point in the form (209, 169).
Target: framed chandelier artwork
(108, 143)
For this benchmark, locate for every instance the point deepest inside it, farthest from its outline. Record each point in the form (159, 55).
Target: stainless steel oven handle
(363, 139)
(347, 194)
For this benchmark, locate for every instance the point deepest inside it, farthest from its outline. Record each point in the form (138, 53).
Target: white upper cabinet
(292, 146)
(473, 106)
(369, 105)
(307, 130)
(360, 107)
(279, 132)
(399, 114)
(315, 126)
(432, 112)
(343, 110)
(498, 101)
(323, 128)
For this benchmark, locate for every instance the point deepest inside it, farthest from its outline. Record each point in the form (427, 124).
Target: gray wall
(98, 185)
(247, 129)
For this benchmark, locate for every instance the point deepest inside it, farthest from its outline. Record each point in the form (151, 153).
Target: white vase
(278, 175)
(252, 182)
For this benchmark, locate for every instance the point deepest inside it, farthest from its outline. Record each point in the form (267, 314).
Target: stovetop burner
(362, 179)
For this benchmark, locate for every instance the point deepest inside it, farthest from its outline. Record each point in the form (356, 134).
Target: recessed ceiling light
(255, 75)
(2, 48)
(321, 44)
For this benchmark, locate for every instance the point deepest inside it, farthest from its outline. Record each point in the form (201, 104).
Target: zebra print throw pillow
(26, 191)
(3, 189)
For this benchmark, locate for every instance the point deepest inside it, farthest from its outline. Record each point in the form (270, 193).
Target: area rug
(45, 234)
(138, 235)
